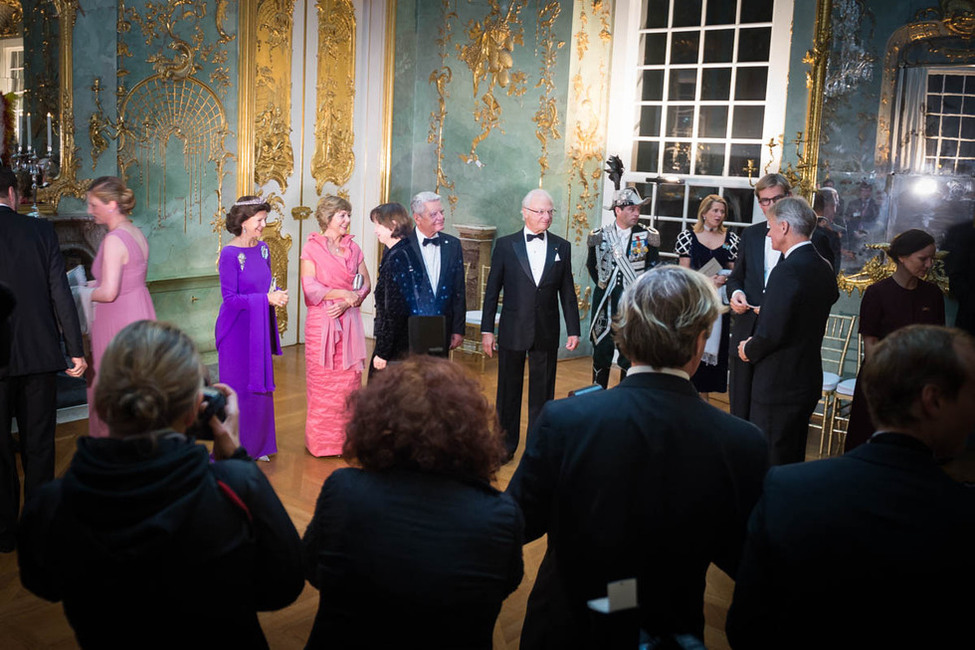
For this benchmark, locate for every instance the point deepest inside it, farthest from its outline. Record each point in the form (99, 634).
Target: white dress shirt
(771, 257)
(431, 257)
(537, 249)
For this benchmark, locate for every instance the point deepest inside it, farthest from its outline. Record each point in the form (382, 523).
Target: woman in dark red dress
(903, 299)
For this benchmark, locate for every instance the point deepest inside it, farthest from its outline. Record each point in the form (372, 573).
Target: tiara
(255, 201)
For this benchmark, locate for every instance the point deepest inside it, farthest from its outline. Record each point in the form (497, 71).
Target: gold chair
(472, 321)
(843, 400)
(836, 343)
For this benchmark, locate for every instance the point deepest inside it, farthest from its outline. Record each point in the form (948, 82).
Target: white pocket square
(557, 258)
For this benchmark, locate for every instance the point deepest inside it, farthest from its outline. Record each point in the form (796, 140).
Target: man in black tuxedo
(645, 481)
(44, 313)
(534, 269)
(746, 286)
(438, 265)
(785, 348)
(618, 253)
(872, 549)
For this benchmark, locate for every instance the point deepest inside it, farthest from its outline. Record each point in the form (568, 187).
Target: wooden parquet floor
(27, 622)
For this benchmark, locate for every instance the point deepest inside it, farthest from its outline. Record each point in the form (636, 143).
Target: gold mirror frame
(66, 183)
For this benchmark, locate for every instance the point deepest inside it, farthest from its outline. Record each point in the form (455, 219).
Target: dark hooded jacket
(151, 545)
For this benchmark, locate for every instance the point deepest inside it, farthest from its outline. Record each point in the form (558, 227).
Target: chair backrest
(482, 284)
(836, 342)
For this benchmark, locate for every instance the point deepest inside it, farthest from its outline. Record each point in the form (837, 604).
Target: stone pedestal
(475, 242)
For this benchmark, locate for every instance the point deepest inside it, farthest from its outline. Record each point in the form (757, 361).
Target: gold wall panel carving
(546, 118)
(586, 117)
(279, 245)
(334, 159)
(11, 19)
(440, 78)
(273, 154)
(881, 267)
(489, 55)
(817, 59)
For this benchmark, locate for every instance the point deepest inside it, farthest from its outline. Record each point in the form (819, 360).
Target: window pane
(951, 104)
(670, 201)
(968, 127)
(740, 202)
(716, 83)
(931, 147)
(684, 47)
(932, 125)
(751, 83)
(969, 108)
(753, 44)
(936, 83)
(967, 150)
(954, 83)
(646, 156)
(676, 158)
(965, 167)
(720, 12)
(657, 11)
(756, 11)
(680, 121)
(687, 13)
(654, 48)
(740, 155)
(649, 121)
(949, 148)
(950, 126)
(653, 85)
(683, 83)
(713, 122)
(719, 46)
(934, 103)
(748, 122)
(710, 159)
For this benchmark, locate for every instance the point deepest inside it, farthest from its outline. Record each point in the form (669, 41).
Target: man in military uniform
(618, 253)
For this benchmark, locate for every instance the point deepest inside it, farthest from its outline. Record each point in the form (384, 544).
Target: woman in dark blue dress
(710, 239)
(392, 225)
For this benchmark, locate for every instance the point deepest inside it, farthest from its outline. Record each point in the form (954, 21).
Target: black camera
(214, 403)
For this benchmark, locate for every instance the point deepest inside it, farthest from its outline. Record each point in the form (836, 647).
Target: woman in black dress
(710, 239)
(392, 225)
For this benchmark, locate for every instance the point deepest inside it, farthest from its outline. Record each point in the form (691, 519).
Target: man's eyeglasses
(550, 213)
(769, 200)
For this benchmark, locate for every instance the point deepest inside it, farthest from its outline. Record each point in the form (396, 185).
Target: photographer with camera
(145, 540)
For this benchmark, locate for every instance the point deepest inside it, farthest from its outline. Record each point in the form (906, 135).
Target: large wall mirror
(897, 132)
(36, 81)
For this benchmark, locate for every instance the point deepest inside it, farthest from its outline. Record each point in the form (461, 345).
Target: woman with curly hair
(413, 545)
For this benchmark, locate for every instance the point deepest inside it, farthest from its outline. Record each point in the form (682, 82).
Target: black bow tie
(540, 236)
(431, 240)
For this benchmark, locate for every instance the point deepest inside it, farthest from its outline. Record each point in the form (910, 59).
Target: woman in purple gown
(120, 295)
(247, 328)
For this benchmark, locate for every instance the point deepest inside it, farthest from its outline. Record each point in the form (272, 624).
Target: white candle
(20, 131)
(49, 141)
(28, 132)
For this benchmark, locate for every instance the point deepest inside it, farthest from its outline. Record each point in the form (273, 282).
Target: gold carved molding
(880, 267)
(546, 118)
(67, 182)
(279, 245)
(333, 159)
(817, 59)
(273, 154)
(440, 78)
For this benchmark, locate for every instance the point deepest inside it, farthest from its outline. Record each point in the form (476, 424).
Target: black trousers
(786, 427)
(740, 372)
(32, 399)
(511, 380)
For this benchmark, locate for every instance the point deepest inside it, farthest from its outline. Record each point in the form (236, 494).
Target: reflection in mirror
(11, 73)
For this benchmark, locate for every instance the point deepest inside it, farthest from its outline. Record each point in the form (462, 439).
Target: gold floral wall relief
(273, 154)
(489, 55)
(279, 245)
(333, 159)
(440, 78)
(546, 118)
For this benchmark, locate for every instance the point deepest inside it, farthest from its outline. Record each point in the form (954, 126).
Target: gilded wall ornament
(488, 54)
(273, 153)
(280, 245)
(11, 19)
(546, 118)
(333, 159)
(880, 267)
(440, 78)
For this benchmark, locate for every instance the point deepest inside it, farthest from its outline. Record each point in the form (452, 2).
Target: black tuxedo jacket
(451, 298)
(785, 348)
(643, 481)
(32, 267)
(530, 314)
(860, 551)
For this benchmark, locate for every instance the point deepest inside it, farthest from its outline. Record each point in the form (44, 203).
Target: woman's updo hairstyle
(243, 209)
(150, 376)
(908, 243)
(112, 188)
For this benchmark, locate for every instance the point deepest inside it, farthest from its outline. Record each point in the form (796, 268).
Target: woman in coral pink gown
(120, 295)
(335, 345)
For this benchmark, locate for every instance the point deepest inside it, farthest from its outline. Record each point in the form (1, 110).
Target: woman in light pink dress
(120, 295)
(335, 345)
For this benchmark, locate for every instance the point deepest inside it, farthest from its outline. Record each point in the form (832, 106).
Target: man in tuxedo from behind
(534, 269)
(645, 481)
(785, 348)
(438, 264)
(746, 286)
(861, 551)
(43, 314)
